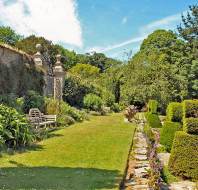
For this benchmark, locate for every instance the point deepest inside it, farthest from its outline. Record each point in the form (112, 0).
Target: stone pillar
(59, 76)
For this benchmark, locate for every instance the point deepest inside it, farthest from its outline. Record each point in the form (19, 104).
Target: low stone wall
(18, 73)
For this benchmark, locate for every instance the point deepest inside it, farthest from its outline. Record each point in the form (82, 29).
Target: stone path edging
(138, 164)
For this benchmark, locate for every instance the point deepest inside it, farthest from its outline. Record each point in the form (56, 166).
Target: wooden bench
(38, 119)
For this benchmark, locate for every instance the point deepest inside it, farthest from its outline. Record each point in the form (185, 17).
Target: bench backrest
(35, 112)
(50, 117)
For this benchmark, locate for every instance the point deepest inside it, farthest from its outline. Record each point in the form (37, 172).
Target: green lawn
(86, 156)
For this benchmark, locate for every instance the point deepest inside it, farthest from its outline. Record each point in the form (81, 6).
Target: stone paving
(138, 165)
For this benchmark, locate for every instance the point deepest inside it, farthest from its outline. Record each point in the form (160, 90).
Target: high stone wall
(18, 73)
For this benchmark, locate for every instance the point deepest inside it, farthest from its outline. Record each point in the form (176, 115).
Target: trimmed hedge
(191, 125)
(190, 108)
(152, 106)
(184, 156)
(174, 112)
(153, 120)
(168, 132)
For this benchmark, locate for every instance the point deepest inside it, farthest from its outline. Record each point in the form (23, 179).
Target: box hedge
(168, 132)
(184, 156)
(190, 108)
(191, 125)
(153, 120)
(174, 112)
(152, 106)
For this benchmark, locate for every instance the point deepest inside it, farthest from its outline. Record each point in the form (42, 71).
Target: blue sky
(109, 26)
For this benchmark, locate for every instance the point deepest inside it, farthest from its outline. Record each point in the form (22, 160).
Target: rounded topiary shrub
(93, 102)
(174, 112)
(167, 134)
(191, 125)
(153, 120)
(152, 106)
(184, 156)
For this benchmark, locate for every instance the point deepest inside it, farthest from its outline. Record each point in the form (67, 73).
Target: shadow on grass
(57, 178)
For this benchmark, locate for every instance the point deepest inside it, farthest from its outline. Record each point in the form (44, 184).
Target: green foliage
(33, 100)
(167, 176)
(152, 106)
(66, 115)
(191, 125)
(8, 36)
(84, 71)
(75, 90)
(190, 108)
(11, 100)
(174, 112)
(167, 134)
(184, 156)
(157, 71)
(149, 133)
(93, 102)
(116, 107)
(14, 128)
(153, 120)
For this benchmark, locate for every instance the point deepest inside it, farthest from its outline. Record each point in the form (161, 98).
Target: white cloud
(164, 23)
(124, 20)
(52, 19)
(115, 46)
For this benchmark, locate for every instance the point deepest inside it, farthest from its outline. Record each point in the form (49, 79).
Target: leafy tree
(8, 36)
(85, 71)
(188, 31)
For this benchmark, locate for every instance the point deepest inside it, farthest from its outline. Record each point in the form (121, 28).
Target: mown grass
(86, 156)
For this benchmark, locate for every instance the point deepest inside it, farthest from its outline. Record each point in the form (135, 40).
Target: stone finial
(58, 65)
(37, 56)
(58, 58)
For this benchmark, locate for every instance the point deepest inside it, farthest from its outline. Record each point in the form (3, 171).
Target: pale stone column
(59, 76)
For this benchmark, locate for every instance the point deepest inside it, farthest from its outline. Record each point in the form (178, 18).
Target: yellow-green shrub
(152, 106)
(184, 156)
(153, 120)
(168, 132)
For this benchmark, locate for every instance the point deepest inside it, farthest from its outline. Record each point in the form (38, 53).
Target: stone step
(141, 173)
(140, 151)
(140, 157)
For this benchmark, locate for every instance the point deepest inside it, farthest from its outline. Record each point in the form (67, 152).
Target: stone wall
(18, 73)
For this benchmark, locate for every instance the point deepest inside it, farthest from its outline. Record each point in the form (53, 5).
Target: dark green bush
(152, 106)
(93, 102)
(190, 108)
(14, 128)
(149, 133)
(153, 120)
(191, 125)
(167, 134)
(33, 100)
(184, 156)
(174, 112)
